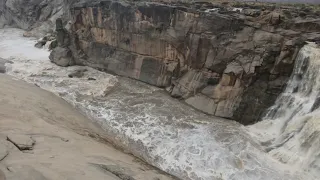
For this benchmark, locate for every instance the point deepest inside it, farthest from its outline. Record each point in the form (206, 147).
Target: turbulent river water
(145, 121)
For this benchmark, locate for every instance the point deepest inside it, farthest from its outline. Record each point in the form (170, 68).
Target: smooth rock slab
(3, 152)
(24, 172)
(2, 175)
(22, 142)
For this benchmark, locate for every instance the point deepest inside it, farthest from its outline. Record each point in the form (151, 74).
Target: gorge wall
(36, 16)
(225, 61)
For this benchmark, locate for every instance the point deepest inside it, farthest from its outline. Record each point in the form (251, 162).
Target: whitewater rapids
(148, 123)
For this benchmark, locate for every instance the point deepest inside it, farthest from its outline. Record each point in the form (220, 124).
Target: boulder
(275, 18)
(40, 44)
(61, 57)
(53, 44)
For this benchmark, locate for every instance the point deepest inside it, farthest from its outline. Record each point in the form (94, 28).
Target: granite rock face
(225, 61)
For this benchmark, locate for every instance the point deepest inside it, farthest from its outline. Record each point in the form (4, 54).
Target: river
(170, 135)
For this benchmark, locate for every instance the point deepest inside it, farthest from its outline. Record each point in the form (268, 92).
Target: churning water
(164, 132)
(291, 129)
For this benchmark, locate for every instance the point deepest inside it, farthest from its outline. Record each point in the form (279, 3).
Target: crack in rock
(22, 142)
(116, 170)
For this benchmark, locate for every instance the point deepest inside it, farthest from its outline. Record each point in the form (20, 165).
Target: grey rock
(190, 83)
(203, 103)
(2, 65)
(121, 173)
(22, 142)
(77, 73)
(3, 151)
(173, 46)
(61, 57)
(24, 172)
(2, 175)
(252, 12)
(2, 68)
(40, 44)
(53, 44)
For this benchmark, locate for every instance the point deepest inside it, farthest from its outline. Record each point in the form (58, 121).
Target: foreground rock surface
(64, 143)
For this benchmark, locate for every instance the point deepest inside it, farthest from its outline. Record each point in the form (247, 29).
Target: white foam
(145, 121)
(290, 126)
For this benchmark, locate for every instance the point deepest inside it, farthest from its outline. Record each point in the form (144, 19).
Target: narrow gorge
(199, 90)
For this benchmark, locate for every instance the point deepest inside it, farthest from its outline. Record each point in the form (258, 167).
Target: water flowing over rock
(145, 121)
(221, 59)
(290, 131)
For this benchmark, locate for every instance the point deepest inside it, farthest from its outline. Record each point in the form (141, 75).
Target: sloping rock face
(225, 61)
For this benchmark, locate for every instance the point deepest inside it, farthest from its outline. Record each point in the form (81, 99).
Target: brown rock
(275, 18)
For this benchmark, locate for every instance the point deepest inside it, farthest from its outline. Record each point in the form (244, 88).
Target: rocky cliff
(36, 16)
(228, 60)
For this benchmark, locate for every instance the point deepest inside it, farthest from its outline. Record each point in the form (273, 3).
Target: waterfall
(290, 131)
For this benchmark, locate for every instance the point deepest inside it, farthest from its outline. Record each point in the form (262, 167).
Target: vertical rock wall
(226, 62)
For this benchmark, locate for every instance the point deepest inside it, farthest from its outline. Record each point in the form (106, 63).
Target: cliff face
(36, 16)
(225, 61)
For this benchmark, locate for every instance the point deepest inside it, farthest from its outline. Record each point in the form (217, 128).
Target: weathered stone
(2, 175)
(25, 172)
(252, 12)
(227, 80)
(190, 83)
(36, 16)
(53, 44)
(2, 65)
(61, 57)
(275, 18)
(316, 104)
(22, 142)
(40, 44)
(226, 55)
(3, 151)
(77, 73)
(121, 173)
(202, 103)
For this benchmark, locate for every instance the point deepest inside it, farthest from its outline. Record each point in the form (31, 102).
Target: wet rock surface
(2, 65)
(61, 56)
(140, 118)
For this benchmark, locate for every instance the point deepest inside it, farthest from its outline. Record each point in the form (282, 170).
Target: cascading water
(290, 130)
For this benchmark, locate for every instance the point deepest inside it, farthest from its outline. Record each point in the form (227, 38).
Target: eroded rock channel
(231, 61)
